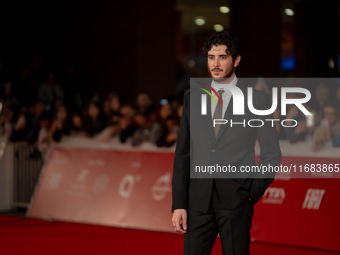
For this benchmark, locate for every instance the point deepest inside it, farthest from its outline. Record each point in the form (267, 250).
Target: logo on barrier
(313, 199)
(127, 184)
(78, 187)
(54, 181)
(100, 184)
(82, 175)
(161, 187)
(273, 196)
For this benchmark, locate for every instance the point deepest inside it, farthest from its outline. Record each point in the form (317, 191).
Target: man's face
(220, 64)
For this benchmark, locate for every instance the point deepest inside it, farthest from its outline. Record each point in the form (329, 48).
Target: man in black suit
(204, 204)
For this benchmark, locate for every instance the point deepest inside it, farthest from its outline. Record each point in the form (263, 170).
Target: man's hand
(179, 220)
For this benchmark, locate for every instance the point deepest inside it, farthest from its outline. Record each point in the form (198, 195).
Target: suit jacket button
(213, 151)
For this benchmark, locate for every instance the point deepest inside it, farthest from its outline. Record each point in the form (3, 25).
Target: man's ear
(237, 60)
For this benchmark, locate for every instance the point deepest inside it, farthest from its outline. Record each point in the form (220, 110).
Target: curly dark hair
(223, 38)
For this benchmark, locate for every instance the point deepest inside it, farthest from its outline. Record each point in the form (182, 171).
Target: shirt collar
(224, 86)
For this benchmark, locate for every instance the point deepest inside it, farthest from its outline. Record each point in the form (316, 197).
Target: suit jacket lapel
(208, 120)
(228, 116)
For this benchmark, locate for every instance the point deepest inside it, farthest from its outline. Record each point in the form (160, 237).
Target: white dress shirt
(226, 96)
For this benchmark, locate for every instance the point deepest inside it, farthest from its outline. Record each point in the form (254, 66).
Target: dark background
(134, 46)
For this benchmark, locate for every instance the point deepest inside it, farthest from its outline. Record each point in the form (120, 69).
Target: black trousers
(232, 225)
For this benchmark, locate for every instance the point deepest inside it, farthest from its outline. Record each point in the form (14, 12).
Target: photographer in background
(328, 130)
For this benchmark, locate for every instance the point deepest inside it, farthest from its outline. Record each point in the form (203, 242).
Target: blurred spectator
(125, 124)
(55, 105)
(77, 125)
(114, 102)
(111, 106)
(169, 132)
(337, 102)
(21, 126)
(261, 85)
(6, 120)
(44, 136)
(36, 109)
(304, 127)
(60, 125)
(321, 98)
(49, 91)
(174, 102)
(112, 129)
(156, 128)
(127, 111)
(143, 130)
(164, 126)
(143, 102)
(165, 111)
(94, 121)
(336, 141)
(328, 129)
(106, 108)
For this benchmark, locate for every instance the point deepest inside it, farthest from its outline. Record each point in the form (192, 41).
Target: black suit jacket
(234, 145)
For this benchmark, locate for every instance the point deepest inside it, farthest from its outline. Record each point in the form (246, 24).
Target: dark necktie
(218, 112)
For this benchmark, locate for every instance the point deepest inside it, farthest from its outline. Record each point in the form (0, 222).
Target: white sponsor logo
(127, 184)
(78, 184)
(78, 187)
(54, 181)
(100, 184)
(161, 187)
(313, 199)
(82, 175)
(273, 196)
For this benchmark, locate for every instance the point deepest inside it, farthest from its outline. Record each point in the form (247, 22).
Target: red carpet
(33, 236)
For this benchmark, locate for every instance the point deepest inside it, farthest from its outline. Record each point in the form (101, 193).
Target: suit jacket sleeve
(270, 151)
(181, 168)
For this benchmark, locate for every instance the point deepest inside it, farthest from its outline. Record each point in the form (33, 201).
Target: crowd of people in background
(40, 108)
(321, 127)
